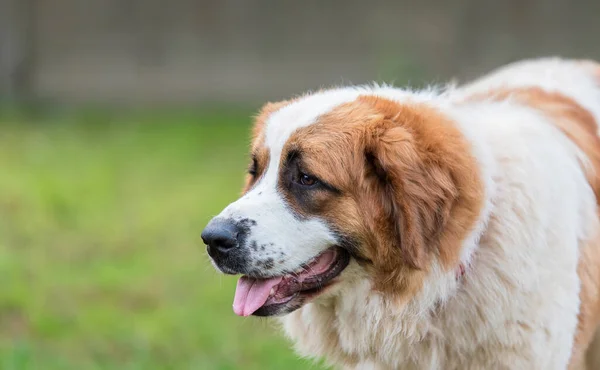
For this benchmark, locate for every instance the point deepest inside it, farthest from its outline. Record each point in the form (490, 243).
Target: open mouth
(286, 293)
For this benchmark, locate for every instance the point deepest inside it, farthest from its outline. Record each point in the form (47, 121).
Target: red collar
(460, 271)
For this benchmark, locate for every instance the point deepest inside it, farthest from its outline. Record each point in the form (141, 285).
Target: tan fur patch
(409, 187)
(571, 118)
(258, 150)
(261, 119)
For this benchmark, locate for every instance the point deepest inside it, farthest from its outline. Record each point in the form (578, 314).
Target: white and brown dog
(450, 229)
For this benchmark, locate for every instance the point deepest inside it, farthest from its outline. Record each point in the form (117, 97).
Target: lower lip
(287, 304)
(284, 300)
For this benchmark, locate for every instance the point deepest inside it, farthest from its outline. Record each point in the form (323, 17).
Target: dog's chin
(283, 294)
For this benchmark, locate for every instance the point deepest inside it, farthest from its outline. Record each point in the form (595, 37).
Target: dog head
(343, 177)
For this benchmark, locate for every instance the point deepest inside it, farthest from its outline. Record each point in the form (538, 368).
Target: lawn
(101, 262)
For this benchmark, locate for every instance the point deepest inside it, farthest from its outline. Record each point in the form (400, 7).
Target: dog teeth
(272, 292)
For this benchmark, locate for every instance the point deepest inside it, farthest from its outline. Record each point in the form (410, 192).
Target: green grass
(101, 263)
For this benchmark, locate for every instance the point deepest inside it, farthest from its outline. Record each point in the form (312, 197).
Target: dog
(447, 228)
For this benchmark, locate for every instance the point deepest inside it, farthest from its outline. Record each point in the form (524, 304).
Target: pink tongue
(251, 294)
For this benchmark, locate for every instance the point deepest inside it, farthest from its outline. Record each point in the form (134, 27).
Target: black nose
(220, 236)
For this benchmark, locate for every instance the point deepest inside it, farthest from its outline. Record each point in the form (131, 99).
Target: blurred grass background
(101, 262)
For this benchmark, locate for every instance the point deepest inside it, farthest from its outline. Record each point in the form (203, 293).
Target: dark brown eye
(307, 180)
(252, 168)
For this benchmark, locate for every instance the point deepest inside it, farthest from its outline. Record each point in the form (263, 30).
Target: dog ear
(413, 192)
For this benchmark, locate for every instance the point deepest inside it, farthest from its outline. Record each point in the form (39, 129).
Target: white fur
(517, 306)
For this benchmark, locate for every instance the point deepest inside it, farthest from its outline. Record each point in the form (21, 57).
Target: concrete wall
(251, 50)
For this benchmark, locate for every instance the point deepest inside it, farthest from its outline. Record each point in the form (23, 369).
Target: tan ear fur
(425, 189)
(416, 194)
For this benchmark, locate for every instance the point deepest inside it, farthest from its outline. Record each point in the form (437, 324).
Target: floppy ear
(414, 191)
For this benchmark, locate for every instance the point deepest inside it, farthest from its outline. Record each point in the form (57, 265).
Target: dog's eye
(307, 180)
(252, 168)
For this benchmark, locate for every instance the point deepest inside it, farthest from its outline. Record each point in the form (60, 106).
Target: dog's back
(568, 93)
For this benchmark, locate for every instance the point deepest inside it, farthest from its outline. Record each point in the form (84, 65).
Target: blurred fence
(250, 50)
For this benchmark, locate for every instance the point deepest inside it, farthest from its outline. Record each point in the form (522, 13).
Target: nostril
(219, 243)
(220, 236)
(224, 244)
